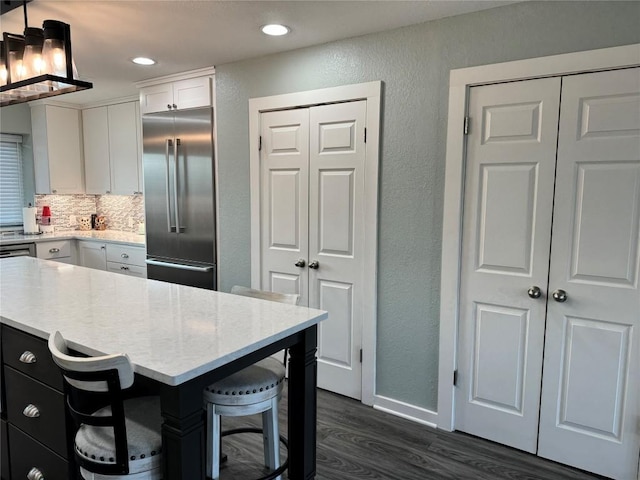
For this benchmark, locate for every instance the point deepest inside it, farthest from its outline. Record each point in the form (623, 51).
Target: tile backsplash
(123, 212)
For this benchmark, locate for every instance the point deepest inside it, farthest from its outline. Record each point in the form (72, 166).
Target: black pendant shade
(37, 64)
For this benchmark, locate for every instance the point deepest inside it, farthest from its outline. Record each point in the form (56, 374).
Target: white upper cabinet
(57, 149)
(96, 150)
(112, 149)
(178, 95)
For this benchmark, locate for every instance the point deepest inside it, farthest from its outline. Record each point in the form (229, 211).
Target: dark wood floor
(358, 442)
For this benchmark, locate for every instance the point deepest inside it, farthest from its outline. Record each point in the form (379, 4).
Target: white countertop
(172, 333)
(98, 235)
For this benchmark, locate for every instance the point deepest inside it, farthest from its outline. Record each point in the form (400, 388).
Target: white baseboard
(406, 410)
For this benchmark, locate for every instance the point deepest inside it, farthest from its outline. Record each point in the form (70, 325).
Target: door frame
(460, 81)
(371, 92)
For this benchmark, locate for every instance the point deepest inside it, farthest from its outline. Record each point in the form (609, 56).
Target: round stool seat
(256, 383)
(144, 439)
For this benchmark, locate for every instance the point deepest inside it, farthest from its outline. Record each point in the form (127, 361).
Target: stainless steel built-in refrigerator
(179, 197)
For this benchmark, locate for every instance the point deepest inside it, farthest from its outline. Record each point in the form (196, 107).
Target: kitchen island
(182, 338)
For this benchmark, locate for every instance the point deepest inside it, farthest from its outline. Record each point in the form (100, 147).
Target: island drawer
(126, 254)
(27, 454)
(37, 410)
(31, 356)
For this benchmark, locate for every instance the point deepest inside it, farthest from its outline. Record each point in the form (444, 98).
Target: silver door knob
(560, 295)
(300, 263)
(534, 292)
(314, 264)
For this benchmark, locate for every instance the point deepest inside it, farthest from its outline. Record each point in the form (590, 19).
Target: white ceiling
(188, 34)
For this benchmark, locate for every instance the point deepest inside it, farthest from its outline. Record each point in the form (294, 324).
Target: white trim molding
(371, 92)
(200, 72)
(406, 410)
(459, 83)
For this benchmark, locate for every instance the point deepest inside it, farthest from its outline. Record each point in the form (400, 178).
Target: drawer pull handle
(35, 474)
(28, 357)
(54, 250)
(124, 268)
(31, 411)
(124, 255)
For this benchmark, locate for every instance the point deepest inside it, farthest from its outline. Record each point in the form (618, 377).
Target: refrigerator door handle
(168, 143)
(175, 185)
(180, 266)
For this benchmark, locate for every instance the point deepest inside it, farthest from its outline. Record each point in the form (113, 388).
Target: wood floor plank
(360, 443)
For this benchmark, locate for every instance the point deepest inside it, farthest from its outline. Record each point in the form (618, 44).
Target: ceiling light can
(275, 29)
(143, 61)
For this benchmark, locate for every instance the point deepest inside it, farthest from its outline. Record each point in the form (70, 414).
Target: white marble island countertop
(172, 333)
(97, 235)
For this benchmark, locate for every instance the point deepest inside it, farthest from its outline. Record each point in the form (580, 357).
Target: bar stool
(255, 389)
(123, 439)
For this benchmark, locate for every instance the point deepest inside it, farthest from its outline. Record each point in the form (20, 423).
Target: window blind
(11, 193)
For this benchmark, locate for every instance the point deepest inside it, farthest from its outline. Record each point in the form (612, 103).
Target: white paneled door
(312, 228)
(570, 291)
(507, 226)
(590, 400)
(284, 205)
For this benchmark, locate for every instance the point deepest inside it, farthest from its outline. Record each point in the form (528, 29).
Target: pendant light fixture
(37, 64)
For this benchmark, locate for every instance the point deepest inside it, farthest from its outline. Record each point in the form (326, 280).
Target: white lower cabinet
(113, 257)
(92, 255)
(126, 259)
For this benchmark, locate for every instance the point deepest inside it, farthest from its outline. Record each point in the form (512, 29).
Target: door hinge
(260, 143)
(360, 355)
(365, 135)
(467, 121)
(455, 378)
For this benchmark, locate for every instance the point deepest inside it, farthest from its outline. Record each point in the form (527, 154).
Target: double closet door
(548, 350)
(311, 226)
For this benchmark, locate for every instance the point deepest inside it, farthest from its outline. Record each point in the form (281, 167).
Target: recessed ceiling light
(275, 29)
(143, 61)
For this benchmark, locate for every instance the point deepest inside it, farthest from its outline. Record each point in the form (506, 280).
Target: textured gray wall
(414, 64)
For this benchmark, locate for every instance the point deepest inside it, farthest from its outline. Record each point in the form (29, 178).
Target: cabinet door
(123, 148)
(65, 155)
(157, 98)
(57, 149)
(92, 255)
(193, 92)
(96, 150)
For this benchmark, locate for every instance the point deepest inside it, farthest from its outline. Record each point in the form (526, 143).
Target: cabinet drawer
(126, 254)
(49, 426)
(132, 270)
(53, 250)
(4, 451)
(26, 454)
(31, 356)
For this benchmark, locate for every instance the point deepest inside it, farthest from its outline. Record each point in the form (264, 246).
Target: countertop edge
(162, 378)
(85, 235)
